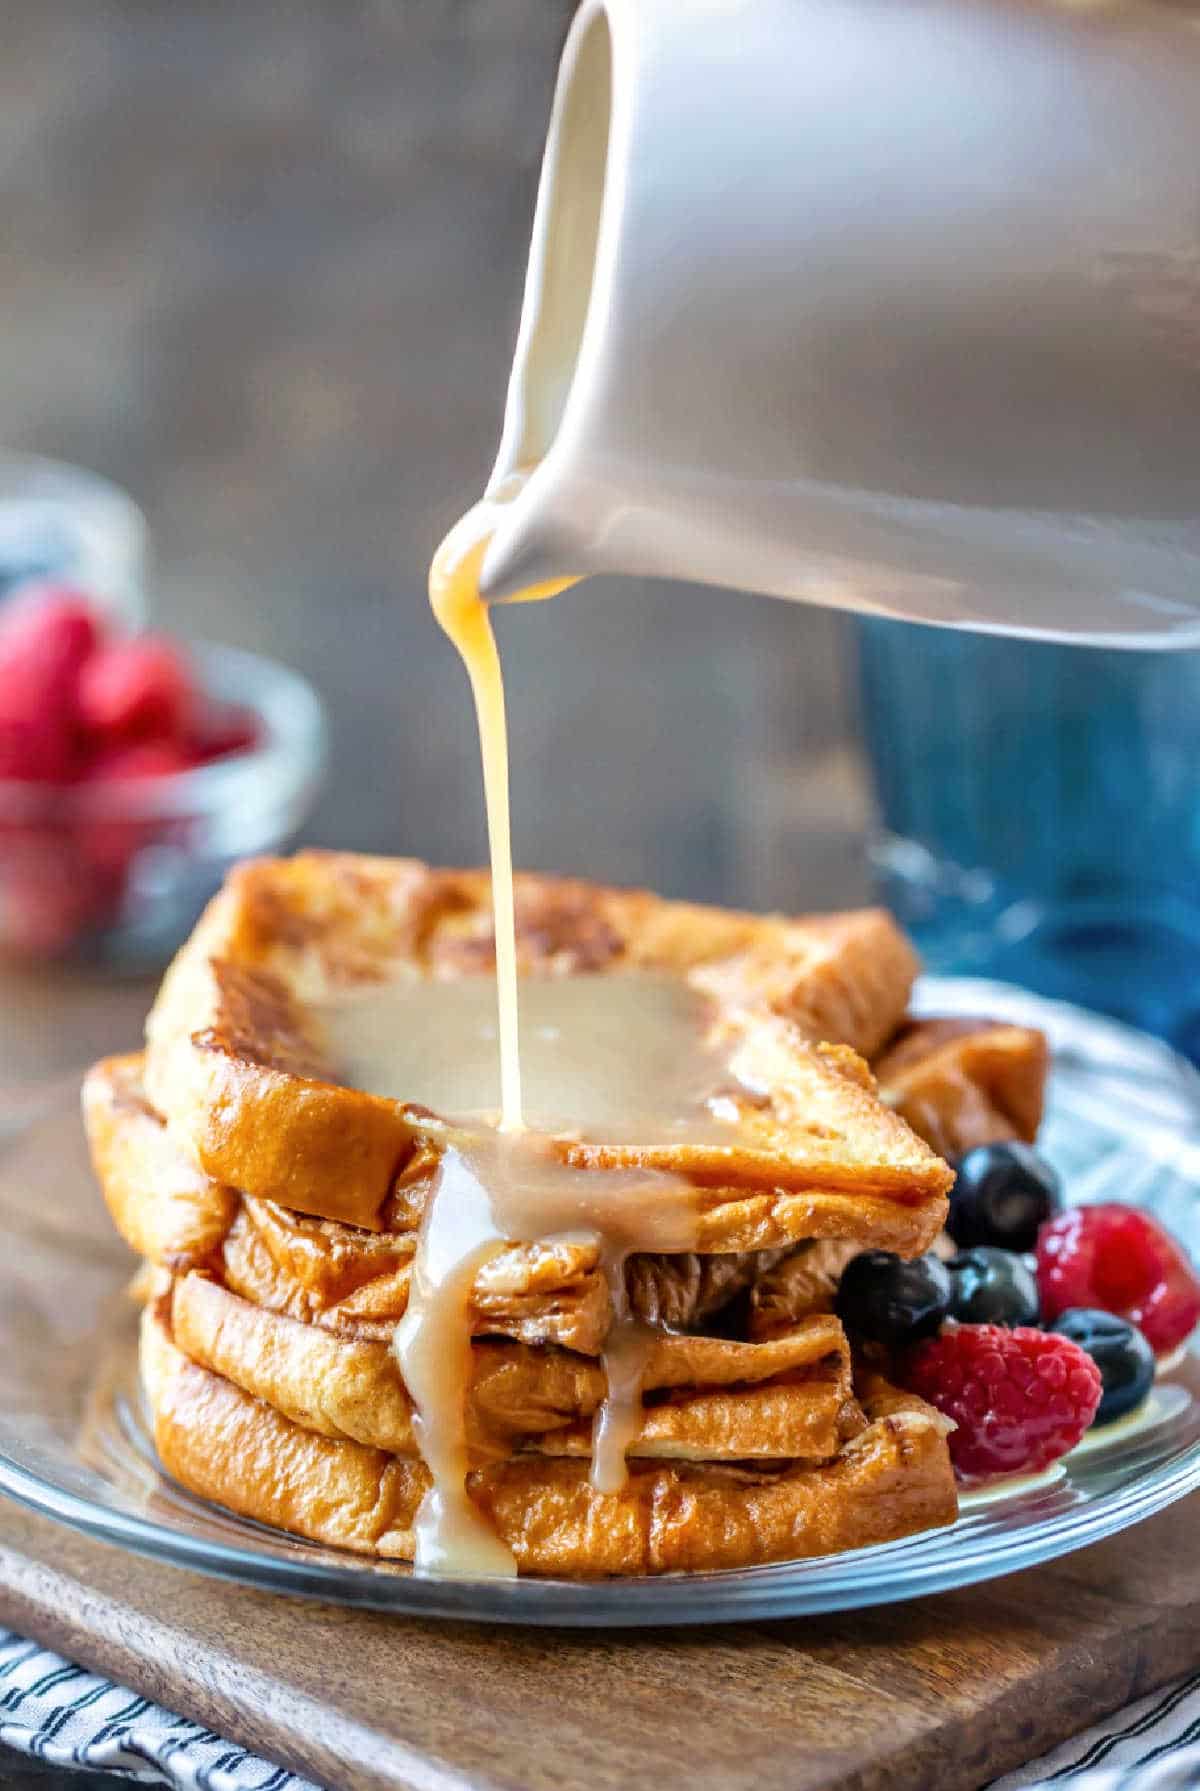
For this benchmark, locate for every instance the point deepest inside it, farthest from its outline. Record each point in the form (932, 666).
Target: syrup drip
(508, 1186)
(626, 1355)
(432, 1345)
(493, 1189)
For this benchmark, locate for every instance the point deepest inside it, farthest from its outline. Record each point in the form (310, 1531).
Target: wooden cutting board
(938, 1695)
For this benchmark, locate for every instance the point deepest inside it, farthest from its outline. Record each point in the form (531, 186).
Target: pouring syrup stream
(455, 601)
(497, 1187)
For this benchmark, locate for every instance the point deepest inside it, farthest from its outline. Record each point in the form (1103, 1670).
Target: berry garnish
(1118, 1259)
(222, 730)
(101, 717)
(144, 759)
(46, 639)
(1019, 1399)
(1120, 1352)
(883, 1299)
(992, 1287)
(137, 689)
(1003, 1193)
(45, 894)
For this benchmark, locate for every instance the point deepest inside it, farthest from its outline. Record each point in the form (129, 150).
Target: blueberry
(1004, 1192)
(1120, 1352)
(883, 1299)
(992, 1287)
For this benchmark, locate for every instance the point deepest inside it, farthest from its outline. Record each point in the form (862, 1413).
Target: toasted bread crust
(356, 1281)
(718, 1399)
(164, 1207)
(892, 1479)
(964, 1082)
(835, 976)
(235, 1067)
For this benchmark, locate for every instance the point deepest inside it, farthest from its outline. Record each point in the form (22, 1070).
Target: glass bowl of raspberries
(133, 771)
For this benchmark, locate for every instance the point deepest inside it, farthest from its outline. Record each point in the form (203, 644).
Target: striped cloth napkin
(59, 1713)
(68, 1717)
(1153, 1745)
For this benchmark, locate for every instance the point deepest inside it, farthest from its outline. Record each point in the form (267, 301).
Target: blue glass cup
(1039, 811)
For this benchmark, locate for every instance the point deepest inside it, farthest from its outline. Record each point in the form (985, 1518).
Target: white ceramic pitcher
(892, 305)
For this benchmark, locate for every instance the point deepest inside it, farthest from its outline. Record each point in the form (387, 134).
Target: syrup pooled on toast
(595, 1058)
(620, 1058)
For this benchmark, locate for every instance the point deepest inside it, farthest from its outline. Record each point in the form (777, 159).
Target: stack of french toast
(278, 1211)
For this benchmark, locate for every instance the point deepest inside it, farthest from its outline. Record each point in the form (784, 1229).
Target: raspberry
(144, 759)
(221, 731)
(1020, 1399)
(47, 636)
(110, 841)
(49, 616)
(46, 901)
(1120, 1260)
(137, 690)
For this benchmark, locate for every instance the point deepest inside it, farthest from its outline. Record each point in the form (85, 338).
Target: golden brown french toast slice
(357, 1281)
(236, 1065)
(959, 1082)
(164, 1207)
(707, 1399)
(533, 1294)
(890, 1480)
(963, 1082)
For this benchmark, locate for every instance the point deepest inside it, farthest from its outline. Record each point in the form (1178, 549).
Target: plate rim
(737, 1595)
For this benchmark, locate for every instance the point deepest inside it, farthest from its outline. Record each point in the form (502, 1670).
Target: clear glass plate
(1123, 1123)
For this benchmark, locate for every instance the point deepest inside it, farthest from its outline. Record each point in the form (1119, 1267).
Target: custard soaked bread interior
(278, 1284)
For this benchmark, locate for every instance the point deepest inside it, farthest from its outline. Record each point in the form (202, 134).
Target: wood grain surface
(938, 1695)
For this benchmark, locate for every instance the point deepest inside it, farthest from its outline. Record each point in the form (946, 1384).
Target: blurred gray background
(261, 264)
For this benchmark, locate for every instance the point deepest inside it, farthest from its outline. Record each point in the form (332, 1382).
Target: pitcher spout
(858, 305)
